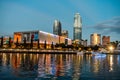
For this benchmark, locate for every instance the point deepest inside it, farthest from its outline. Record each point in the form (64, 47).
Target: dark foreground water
(19, 66)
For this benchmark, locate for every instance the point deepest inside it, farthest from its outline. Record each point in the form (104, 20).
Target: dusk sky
(100, 16)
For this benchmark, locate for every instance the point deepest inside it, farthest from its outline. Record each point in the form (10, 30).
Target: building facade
(57, 28)
(77, 30)
(41, 36)
(84, 43)
(105, 40)
(95, 39)
(65, 33)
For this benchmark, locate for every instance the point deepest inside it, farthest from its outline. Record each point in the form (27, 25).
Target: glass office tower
(77, 33)
(57, 28)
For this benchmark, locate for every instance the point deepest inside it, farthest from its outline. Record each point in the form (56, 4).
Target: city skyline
(102, 17)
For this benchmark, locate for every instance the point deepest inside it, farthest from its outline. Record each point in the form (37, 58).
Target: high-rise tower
(95, 39)
(77, 33)
(57, 28)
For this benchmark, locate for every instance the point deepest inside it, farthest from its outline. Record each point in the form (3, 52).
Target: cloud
(109, 26)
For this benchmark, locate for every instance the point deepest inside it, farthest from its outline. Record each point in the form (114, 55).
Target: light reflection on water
(58, 66)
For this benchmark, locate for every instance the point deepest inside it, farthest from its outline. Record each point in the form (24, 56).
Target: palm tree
(45, 44)
(117, 42)
(9, 42)
(38, 45)
(24, 42)
(52, 46)
(31, 44)
(17, 43)
(1, 42)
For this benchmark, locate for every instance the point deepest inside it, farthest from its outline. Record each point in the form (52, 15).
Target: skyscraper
(57, 28)
(95, 39)
(77, 33)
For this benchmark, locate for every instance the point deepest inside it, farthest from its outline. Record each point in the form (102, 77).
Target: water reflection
(59, 66)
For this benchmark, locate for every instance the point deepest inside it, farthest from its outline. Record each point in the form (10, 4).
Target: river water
(24, 66)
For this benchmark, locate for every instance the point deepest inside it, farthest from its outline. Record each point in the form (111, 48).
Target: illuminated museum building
(41, 36)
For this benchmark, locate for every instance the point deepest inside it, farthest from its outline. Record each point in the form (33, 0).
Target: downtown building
(95, 39)
(65, 33)
(57, 28)
(77, 29)
(42, 36)
(105, 40)
(84, 43)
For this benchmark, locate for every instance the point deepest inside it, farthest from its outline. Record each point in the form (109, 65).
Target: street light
(111, 48)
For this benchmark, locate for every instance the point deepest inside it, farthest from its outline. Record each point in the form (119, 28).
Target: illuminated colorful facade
(41, 36)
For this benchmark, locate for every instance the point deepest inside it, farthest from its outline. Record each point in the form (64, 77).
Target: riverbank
(36, 51)
(40, 51)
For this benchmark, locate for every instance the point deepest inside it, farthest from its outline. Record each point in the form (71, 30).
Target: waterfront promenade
(37, 51)
(40, 51)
